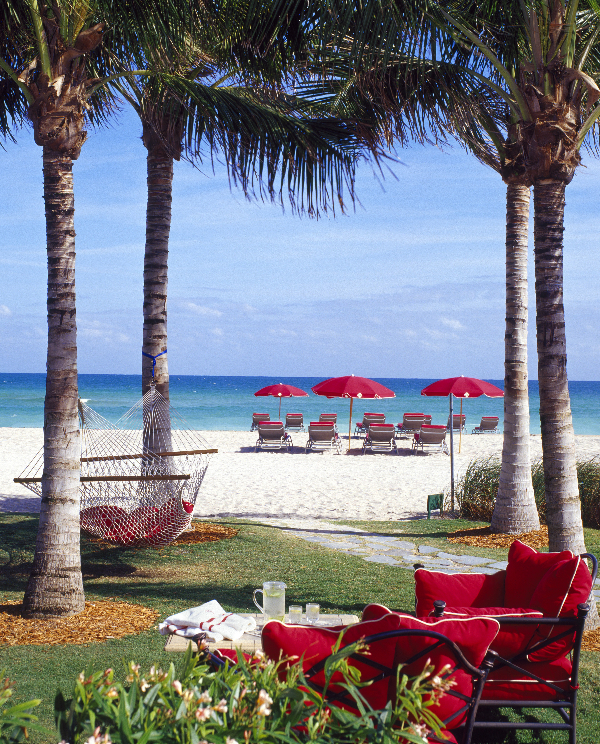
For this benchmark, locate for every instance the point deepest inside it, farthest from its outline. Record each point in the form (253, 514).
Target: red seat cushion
(526, 568)
(458, 590)
(472, 635)
(512, 639)
(509, 684)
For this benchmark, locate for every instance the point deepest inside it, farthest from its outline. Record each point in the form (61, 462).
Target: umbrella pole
(451, 457)
(460, 430)
(279, 414)
(350, 423)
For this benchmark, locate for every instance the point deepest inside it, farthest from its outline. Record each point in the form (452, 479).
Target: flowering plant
(15, 721)
(238, 704)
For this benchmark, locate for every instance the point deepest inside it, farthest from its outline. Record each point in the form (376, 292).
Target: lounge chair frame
(380, 438)
(257, 418)
(488, 425)
(273, 437)
(294, 422)
(433, 438)
(322, 435)
(360, 429)
(411, 423)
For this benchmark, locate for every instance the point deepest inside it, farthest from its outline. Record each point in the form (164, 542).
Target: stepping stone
(486, 570)
(436, 564)
(381, 559)
(427, 549)
(467, 560)
(499, 566)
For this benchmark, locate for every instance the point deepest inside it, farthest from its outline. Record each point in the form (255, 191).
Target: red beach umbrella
(352, 387)
(460, 387)
(281, 391)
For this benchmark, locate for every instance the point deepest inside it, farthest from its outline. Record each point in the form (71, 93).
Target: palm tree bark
(55, 586)
(563, 508)
(157, 434)
(515, 510)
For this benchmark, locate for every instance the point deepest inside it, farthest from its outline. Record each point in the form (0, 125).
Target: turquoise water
(227, 403)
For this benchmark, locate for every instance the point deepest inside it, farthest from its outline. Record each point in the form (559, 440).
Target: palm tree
(407, 94)
(51, 53)
(237, 105)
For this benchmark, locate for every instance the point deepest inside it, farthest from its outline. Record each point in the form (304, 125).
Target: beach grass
(182, 576)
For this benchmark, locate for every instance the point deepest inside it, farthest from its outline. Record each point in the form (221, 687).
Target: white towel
(209, 618)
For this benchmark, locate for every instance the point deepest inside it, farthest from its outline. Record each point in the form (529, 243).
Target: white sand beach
(243, 483)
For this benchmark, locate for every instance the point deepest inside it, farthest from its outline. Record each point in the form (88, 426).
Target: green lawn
(184, 576)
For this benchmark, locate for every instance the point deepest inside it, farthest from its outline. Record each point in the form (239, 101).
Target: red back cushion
(512, 639)
(562, 588)
(458, 590)
(526, 568)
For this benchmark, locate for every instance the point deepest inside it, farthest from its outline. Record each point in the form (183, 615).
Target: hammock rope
(132, 493)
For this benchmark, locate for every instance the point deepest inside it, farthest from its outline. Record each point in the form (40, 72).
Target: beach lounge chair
(323, 436)
(328, 418)
(541, 602)
(257, 418)
(411, 423)
(368, 418)
(272, 435)
(380, 438)
(430, 438)
(488, 425)
(458, 422)
(294, 422)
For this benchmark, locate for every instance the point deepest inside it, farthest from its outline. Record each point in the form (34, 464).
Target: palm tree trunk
(563, 508)
(515, 510)
(158, 226)
(55, 586)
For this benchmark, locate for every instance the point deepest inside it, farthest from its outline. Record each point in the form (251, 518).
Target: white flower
(177, 687)
(221, 706)
(263, 697)
(203, 714)
(205, 698)
(229, 740)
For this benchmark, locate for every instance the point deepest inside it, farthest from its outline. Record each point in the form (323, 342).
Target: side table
(251, 642)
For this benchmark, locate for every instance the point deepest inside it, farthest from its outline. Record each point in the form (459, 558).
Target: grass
(184, 576)
(477, 490)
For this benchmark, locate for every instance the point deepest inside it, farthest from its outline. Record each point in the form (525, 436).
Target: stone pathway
(389, 549)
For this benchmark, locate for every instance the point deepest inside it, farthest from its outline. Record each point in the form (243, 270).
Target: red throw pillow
(472, 635)
(512, 639)
(313, 644)
(526, 568)
(458, 590)
(562, 588)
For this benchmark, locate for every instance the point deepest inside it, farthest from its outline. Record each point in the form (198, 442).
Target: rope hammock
(140, 477)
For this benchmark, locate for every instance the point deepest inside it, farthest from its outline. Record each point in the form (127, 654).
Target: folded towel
(209, 618)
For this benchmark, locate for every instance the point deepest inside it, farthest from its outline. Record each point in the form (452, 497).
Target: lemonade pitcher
(273, 600)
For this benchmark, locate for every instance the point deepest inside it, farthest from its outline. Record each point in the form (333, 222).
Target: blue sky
(410, 284)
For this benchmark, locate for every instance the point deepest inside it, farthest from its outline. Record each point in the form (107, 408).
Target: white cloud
(201, 310)
(454, 324)
(217, 332)
(5, 310)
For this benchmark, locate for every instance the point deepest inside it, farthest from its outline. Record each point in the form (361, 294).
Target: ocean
(227, 403)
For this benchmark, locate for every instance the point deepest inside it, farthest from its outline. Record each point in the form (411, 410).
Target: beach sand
(243, 483)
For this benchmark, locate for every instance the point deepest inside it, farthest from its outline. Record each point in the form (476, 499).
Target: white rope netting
(140, 477)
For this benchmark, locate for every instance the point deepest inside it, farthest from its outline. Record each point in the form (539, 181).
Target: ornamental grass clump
(477, 490)
(238, 704)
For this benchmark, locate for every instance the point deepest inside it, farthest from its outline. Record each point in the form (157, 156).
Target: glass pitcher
(273, 600)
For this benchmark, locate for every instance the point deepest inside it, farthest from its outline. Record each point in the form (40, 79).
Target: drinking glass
(312, 613)
(295, 614)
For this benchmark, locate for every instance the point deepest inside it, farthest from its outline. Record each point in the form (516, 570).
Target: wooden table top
(251, 642)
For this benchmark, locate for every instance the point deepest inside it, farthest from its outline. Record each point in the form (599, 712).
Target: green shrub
(239, 704)
(476, 491)
(14, 721)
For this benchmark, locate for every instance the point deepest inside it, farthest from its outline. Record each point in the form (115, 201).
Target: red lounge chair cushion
(526, 568)
(472, 635)
(458, 590)
(509, 684)
(511, 639)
